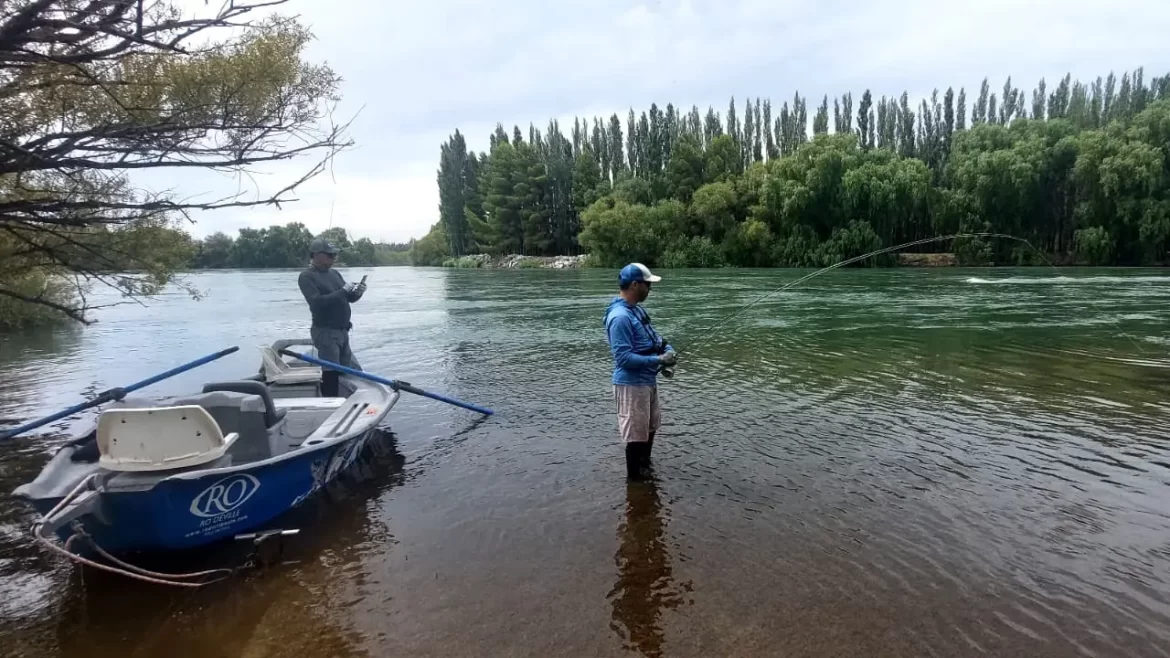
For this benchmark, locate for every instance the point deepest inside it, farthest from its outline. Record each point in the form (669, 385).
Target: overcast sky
(419, 70)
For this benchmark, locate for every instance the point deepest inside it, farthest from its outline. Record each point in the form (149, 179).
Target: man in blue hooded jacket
(638, 354)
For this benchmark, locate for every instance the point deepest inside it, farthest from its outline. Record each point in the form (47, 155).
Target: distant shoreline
(516, 261)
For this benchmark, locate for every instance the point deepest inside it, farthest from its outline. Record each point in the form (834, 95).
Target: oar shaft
(442, 398)
(116, 393)
(396, 385)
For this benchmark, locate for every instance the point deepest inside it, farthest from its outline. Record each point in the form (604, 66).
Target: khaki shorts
(638, 413)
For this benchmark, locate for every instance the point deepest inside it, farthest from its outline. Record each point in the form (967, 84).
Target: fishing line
(711, 330)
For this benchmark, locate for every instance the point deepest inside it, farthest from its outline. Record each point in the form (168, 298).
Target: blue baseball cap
(637, 272)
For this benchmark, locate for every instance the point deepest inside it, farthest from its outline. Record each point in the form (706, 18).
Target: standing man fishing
(638, 354)
(329, 297)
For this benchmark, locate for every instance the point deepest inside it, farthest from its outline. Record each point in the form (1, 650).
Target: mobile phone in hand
(363, 282)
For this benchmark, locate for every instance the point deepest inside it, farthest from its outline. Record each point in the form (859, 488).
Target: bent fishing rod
(849, 261)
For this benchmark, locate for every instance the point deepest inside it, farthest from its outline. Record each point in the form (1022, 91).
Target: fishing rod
(710, 330)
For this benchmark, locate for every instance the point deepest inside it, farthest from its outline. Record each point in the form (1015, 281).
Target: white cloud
(418, 71)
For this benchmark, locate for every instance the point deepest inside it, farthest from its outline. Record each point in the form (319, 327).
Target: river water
(874, 463)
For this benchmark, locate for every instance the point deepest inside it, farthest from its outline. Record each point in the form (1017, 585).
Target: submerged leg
(634, 452)
(646, 452)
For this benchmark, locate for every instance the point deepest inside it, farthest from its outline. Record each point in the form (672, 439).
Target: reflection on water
(645, 586)
(902, 463)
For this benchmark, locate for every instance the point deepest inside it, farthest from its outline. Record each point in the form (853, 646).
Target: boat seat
(244, 413)
(159, 438)
(272, 415)
(278, 371)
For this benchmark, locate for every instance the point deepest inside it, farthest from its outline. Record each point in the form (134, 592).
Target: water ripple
(894, 463)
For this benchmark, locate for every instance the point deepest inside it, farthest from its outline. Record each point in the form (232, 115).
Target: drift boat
(187, 471)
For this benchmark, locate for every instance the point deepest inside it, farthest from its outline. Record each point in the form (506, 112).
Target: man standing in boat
(638, 355)
(329, 297)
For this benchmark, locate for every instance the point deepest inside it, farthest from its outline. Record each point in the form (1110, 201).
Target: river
(936, 462)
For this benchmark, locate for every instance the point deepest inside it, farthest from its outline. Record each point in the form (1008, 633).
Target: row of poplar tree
(1082, 171)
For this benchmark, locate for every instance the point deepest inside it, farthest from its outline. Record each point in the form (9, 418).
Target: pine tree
(769, 137)
(1078, 106)
(695, 125)
(1122, 104)
(961, 110)
(821, 120)
(712, 127)
(499, 136)
(1058, 99)
(948, 119)
(453, 194)
(1008, 111)
(632, 151)
(864, 130)
(504, 223)
(655, 140)
(1038, 102)
(671, 132)
(617, 158)
(733, 129)
(579, 136)
(906, 136)
(784, 131)
(1138, 97)
(1096, 111)
(757, 137)
(644, 147)
(800, 109)
(981, 105)
(749, 133)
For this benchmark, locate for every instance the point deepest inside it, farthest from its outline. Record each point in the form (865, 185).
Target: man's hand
(350, 288)
(669, 359)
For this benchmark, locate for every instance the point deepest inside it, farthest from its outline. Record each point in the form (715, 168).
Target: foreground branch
(93, 91)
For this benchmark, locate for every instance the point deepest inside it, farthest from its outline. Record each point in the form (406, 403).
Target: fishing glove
(669, 359)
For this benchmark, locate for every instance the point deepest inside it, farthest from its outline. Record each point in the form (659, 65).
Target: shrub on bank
(16, 314)
(697, 251)
(464, 262)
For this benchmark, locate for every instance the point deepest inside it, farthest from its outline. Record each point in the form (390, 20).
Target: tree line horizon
(1081, 170)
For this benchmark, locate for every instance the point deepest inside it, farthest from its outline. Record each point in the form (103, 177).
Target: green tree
(686, 171)
(431, 249)
(901, 175)
(821, 121)
(617, 232)
(91, 92)
(214, 251)
(453, 188)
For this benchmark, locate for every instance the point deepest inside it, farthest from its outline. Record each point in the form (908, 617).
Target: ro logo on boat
(225, 495)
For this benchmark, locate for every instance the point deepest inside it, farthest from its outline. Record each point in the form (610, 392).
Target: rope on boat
(120, 567)
(122, 571)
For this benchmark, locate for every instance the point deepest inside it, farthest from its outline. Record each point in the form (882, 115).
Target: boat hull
(204, 507)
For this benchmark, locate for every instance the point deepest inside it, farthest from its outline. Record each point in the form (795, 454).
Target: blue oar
(116, 393)
(396, 385)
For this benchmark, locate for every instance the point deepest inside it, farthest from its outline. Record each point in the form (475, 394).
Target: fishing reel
(660, 348)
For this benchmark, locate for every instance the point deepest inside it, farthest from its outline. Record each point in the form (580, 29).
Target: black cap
(322, 245)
